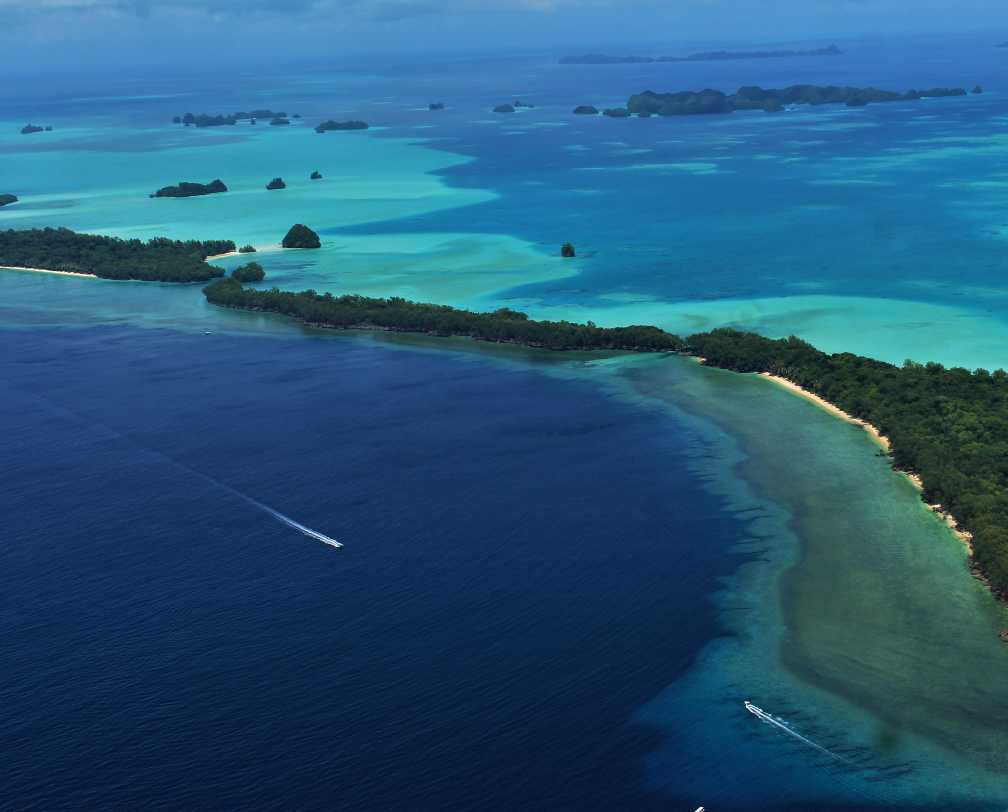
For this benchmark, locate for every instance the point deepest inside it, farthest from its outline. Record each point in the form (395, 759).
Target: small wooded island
(251, 272)
(224, 119)
(189, 189)
(6, 200)
(276, 183)
(29, 129)
(336, 126)
(300, 236)
(690, 102)
(156, 260)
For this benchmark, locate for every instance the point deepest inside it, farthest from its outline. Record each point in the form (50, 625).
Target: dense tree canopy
(506, 326)
(300, 236)
(250, 272)
(950, 426)
(160, 259)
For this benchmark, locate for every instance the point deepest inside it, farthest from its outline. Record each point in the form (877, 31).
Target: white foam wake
(276, 514)
(780, 724)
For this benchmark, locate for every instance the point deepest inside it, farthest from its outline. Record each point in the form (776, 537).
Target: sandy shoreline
(46, 270)
(964, 536)
(258, 249)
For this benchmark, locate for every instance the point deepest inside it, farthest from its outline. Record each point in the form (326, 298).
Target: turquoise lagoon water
(879, 230)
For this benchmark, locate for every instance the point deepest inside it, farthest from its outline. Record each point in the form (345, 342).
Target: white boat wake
(763, 716)
(276, 514)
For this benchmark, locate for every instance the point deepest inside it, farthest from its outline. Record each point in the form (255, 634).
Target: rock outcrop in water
(567, 250)
(504, 108)
(316, 175)
(28, 129)
(300, 236)
(616, 112)
(751, 97)
(279, 121)
(6, 200)
(188, 189)
(330, 125)
(435, 106)
(276, 183)
(586, 110)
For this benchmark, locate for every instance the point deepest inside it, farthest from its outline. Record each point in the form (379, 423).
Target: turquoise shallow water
(877, 231)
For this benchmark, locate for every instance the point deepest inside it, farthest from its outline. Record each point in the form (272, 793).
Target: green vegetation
(247, 249)
(251, 272)
(188, 189)
(949, 426)
(567, 250)
(160, 259)
(326, 126)
(276, 183)
(316, 175)
(7, 199)
(504, 326)
(586, 110)
(28, 129)
(300, 236)
(688, 102)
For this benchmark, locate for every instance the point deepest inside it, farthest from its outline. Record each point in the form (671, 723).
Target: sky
(83, 32)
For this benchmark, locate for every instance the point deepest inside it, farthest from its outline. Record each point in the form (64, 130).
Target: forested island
(704, 56)
(300, 236)
(399, 315)
(189, 189)
(156, 260)
(689, 102)
(948, 426)
(250, 272)
(28, 129)
(225, 119)
(330, 125)
(6, 200)
(276, 183)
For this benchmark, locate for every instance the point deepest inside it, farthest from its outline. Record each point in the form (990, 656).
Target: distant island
(585, 110)
(300, 236)
(224, 119)
(504, 108)
(276, 183)
(189, 189)
(435, 106)
(279, 121)
(400, 315)
(316, 175)
(250, 272)
(330, 125)
(689, 102)
(247, 249)
(28, 129)
(157, 260)
(704, 56)
(6, 200)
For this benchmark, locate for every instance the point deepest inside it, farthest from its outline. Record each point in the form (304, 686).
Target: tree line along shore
(947, 426)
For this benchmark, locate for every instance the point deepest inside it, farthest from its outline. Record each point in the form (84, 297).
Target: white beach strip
(46, 270)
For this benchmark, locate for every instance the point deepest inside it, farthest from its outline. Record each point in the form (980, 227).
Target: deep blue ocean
(516, 579)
